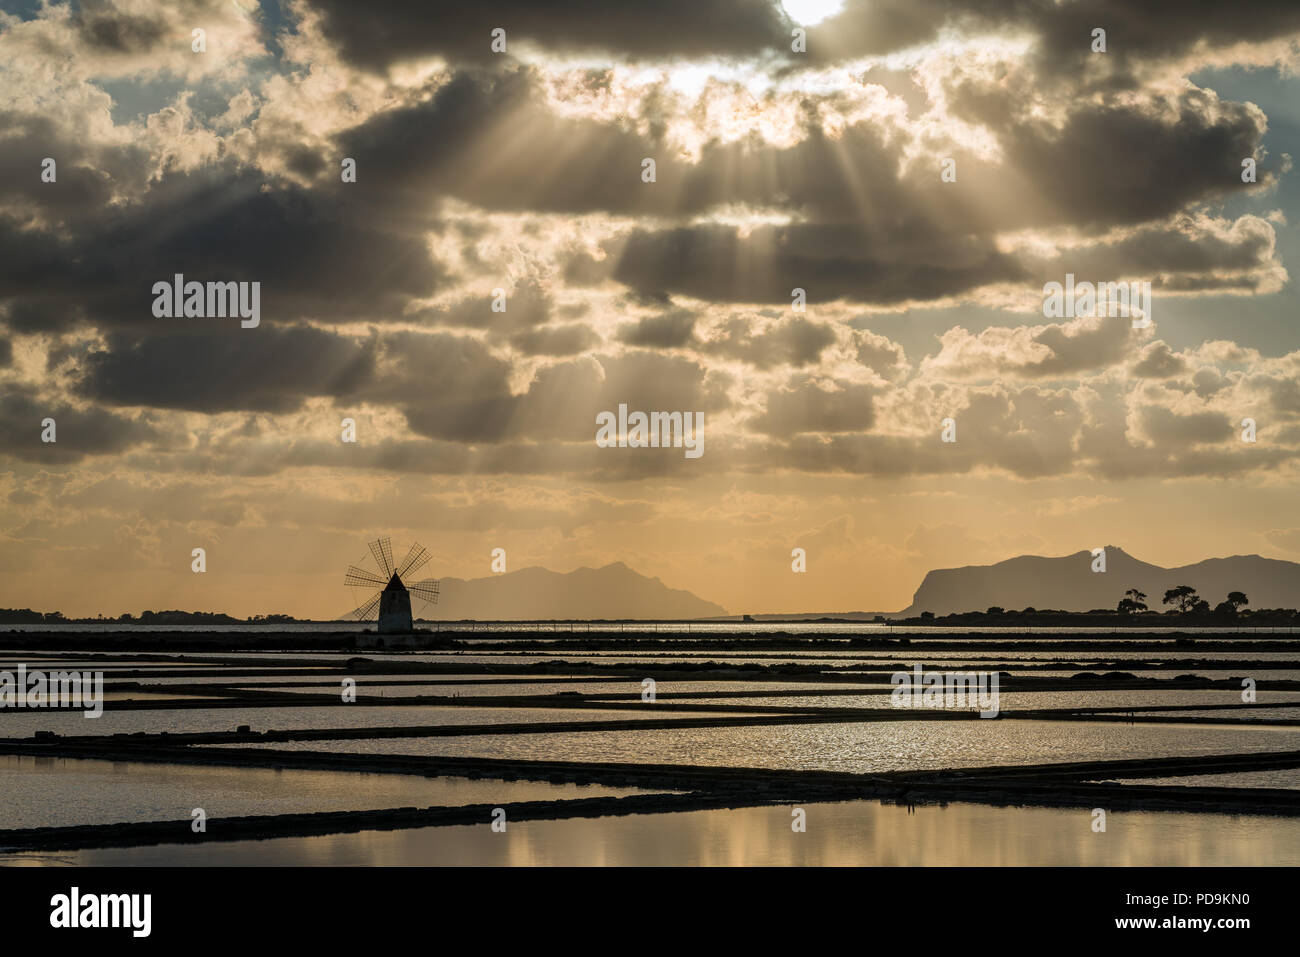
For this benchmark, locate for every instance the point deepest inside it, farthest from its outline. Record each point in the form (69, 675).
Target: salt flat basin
(863, 833)
(23, 724)
(155, 696)
(1253, 713)
(1216, 674)
(1285, 778)
(863, 747)
(629, 688)
(54, 792)
(332, 678)
(1031, 700)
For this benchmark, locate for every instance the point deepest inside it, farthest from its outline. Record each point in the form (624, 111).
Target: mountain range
(1065, 583)
(1068, 583)
(612, 591)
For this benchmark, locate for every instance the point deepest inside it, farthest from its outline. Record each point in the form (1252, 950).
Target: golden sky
(517, 177)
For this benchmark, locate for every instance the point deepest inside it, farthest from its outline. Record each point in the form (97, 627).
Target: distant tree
(1132, 601)
(1229, 607)
(1200, 607)
(1184, 596)
(20, 615)
(995, 610)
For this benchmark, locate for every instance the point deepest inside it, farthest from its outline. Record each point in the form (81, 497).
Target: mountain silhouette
(1069, 584)
(612, 591)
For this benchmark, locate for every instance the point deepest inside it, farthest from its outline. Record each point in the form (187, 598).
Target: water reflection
(858, 833)
(47, 792)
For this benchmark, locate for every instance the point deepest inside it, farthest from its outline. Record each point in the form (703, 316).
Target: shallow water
(855, 833)
(628, 689)
(1254, 713)
(64, 791)
(1288, 778)
(1029, 700)
(51, 792)
(23, 724)
(667, 627)
(861, 747)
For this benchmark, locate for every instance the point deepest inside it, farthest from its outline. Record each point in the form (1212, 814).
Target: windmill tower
(392, 597)
(394, 608)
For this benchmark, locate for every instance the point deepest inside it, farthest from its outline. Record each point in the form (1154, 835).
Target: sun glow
(808, 12)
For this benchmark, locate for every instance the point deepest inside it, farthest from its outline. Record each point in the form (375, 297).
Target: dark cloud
(78, 432)
(491, 139)
(715, 263)
(448, 386)
(792, 341)
(384, 32)
(1165, 426)
(83, 182)
(210, 369)
(1116, 164)
(1138, 35)
(101, 24)
(808, 406)
(669, 330)
(316, 254)
(454, 389)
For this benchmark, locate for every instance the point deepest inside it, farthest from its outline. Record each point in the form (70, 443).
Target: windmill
(392, 596)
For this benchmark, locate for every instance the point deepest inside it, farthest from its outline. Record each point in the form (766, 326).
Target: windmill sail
(366, 611)
(360, 576)
(426, 590)
(416, 558)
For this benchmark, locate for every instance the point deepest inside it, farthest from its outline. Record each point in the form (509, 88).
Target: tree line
(1186, 600)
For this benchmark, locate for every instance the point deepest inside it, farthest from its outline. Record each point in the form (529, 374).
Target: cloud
(792, 341)
(265, 369)
(1166, 426)
(879, 354)
(1045, 351)
(808, 406)
(79, 432)
(390, 31)
(566, 340)
(1158, 361)
(667, 331)
(316, 257)
(718, 264)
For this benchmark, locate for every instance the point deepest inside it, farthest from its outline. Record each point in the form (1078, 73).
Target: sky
(920, 169)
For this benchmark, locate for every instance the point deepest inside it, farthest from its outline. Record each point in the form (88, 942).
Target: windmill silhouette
(392, 595)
